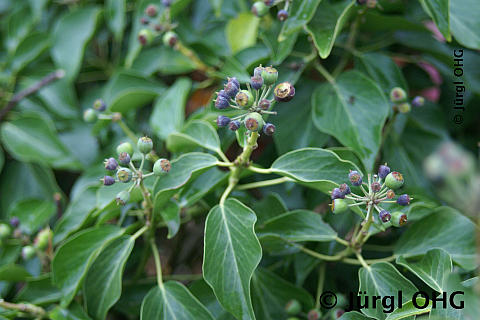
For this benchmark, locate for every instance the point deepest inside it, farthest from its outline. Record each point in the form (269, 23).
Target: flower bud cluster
(399, 98)
(378, 189)
(125, 170)
(155, 24)
(254, 101)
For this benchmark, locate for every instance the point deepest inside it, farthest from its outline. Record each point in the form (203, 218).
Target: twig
(55, 75)
(34, 310)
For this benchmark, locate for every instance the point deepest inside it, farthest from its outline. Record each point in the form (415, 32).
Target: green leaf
(297, 225)
(195, 133)
(271, 293)
(327, 23)
(205, 295)
(32, 213)
(198, 188)
(127, 91)
(18, 25)
(29, 49)
(163, 60)
(13, 273)
(464, 22)
(314, 167)
(439, 11)
(231, 254)
(279, 51)
(172, 301)
(301, 13)
(182, 170)
(33, 139)
(453, 233)
(269, 207)
(70, 37)
(73, 258)
(170, 214)
(39, 291)
(242, 31)
(431, 269)
(74, 312)
(115, 16)
(60, 98)
(353, 110)
(382, 69)
(106, 270)
(382, 279)
(217, 6)
(354, 315)
(169, 109)
(409, 310)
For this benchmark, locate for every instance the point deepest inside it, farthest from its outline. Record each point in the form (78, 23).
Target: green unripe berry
(394, 180)
(145, 36)
(161, 167)
(122, 197)
(244, 99)
(259, 9)
(254, 121)
(90, 115)
(269, 75)
(28, 252)
(145, 145)
(339, 206)
(43, 238)
(5, 231)
(125, 147)
(293, 307)
(124, 175)
(398, 219)
(404, 107)
(397, 94)
(170, 39)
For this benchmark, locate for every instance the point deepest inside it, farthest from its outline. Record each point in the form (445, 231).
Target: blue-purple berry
(234, 125)
(221, 102)
(355, 178)
(99, 105)
(282, 15)
(124, 158)
(418, 101)
(108, 181)
(269, 129)
(337, 194)
(403, 200)
(231, 88)
(256, 82)
(383, 171)
(345, 189)
(223, 121)
(111, 164)
(167, 3)
(257, 72)
(384, 216)
(14, 222)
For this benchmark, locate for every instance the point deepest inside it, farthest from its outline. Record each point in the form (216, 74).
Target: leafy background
(50, 160)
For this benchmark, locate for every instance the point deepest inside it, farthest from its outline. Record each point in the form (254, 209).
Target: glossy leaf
(327, 23)
(382, 279)
(169, 109)
(271, 293)
(300, 14)
(34, 139)
(68, 43)
(231, 254)
(172, 301)
(439, 11)
(242, 31)
(39, 291)
(163, 60)
(464, 24)
(297, 225)
(33, 214)
(432, 269)
(353, 110)
(269, 207)
(170, 213)
(205, 183)
(74, 257)
(408, 309)
(107, 270)
(115, 15)
(195, 133)
(453, 233)
(29, 49)
(317, 168)
(13, 273)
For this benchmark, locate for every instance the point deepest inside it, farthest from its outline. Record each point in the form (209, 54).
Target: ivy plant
(210, 159)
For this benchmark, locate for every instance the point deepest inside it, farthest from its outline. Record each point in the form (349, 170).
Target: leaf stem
(158, 265)
(127, 131)
(34, 310)
(341, 241)
(264, 183)
(139, 232)
(361, 260)
(324, 72)
(321, 280)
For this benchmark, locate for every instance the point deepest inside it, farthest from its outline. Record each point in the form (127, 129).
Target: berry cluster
(261, 8)
(400, 99)
(126, 170)
(253, 101)
(155, 25)
(380, 189)
(29, 250)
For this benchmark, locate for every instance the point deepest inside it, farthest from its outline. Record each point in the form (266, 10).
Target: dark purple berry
(403, 200)
(108, 181)
(264, 104)
(234, 125)
(256, 82)
(344, 188)
(14, 222)
(376, 186)
(269, 129)
(383, 171)
(355, 178)
(282, 15)
(111, 164)
(99, 105)
(222, 93)
(337, 194)
(232, 87)
(144, 21)
(167, 3)
(124, 158)
(384, 215)
(223, 121)
(221, 102)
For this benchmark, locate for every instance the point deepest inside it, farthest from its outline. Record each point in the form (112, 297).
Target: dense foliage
(214, 159)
